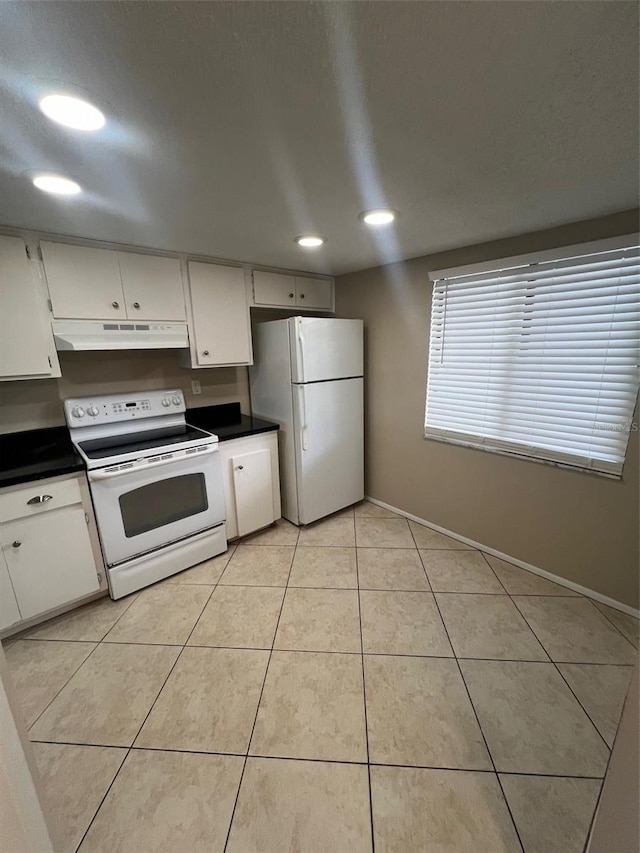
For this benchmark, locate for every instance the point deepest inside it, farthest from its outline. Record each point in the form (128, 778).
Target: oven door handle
(108, 475)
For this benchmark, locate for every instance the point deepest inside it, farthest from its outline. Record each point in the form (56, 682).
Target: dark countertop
(36, 454)
(227, 421)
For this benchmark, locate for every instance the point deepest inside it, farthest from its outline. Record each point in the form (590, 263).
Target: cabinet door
(253, 489)
(274, 288)
(84, 283)
(314, 293)
(50, 559)
(9, 612)
(152, 287)
(220, 315)
(25, 337)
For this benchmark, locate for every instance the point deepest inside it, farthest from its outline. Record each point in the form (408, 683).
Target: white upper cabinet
(27, 348)
(84, 283)
(274, 288)
(283, 290)
(314, 293)
(220, 326)
(152, 287)
(102, 284)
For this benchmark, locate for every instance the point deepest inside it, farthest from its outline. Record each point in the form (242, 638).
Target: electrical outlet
(195, 386)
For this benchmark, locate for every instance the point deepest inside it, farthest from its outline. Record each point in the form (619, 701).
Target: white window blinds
(538, 358)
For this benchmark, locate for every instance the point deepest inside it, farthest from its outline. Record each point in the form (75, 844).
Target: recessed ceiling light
(72, 112)
(57, 184)
(380, 216)
(310, 241)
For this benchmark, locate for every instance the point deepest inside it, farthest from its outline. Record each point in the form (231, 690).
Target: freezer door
(325, 348)
(329, 446)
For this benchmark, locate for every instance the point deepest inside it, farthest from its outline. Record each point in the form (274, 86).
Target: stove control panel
(111, 408)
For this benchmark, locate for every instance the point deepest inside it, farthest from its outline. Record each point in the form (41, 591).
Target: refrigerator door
(325, 348)
(329, 447)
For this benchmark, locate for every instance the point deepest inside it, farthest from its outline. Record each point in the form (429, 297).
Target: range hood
(80, 335)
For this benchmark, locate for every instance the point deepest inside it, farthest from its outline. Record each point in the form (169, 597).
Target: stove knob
(166, 402)
(77, 412)
(176, 400)
(93, 411)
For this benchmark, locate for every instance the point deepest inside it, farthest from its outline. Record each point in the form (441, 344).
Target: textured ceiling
(233, 127)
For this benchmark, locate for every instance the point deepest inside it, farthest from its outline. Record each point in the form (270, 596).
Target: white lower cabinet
(50, 555)
(251, 482)
(9, 612)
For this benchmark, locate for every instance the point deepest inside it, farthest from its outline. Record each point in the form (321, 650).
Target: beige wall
(580, 526)
(37, 403)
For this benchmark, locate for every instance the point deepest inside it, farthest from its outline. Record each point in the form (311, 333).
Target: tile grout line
(97, 643)
(559, 671)
(611, 622)
(48, 705)
(494, 573)
(264, 681)
(364, 696)
(555, 664)
(342, 652)
(128, 752)
(129, 748)
(475, 713)
(599, 797)
(362, 654)
(75, 611)
(102, 799)
(321, 760)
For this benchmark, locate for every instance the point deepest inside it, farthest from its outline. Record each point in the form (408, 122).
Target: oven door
(146, 505)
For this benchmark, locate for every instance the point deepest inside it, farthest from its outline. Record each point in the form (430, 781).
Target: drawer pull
(240, 468)
(39, 499)
(115, 304)
(205, 352)
(16, 544)
(136, 304)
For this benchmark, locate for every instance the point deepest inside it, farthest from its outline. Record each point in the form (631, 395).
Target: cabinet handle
(39, 499)
(136, 305)
(16, 544)
(115, 304)
(205, 352)
(302, 296)
(240, 468)
(291, 295)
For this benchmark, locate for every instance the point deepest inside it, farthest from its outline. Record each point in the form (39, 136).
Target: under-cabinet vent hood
(93, 335)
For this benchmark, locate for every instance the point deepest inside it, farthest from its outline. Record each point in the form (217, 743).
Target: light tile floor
(364, 680)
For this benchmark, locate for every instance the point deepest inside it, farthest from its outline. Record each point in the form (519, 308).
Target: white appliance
(307, 376)
(80, 335)
(156, 485)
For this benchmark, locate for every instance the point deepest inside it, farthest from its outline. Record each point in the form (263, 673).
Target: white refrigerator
(307, 376)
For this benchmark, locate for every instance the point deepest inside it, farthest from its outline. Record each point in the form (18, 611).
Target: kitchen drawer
(14, 502)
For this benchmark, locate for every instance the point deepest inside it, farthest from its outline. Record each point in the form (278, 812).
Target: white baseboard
(590, 593)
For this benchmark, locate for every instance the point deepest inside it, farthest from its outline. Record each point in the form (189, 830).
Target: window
(538, 356)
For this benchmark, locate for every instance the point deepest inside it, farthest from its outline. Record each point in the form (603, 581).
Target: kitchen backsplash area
(32, 404)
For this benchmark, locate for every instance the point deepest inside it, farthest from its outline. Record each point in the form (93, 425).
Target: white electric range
(156, 485)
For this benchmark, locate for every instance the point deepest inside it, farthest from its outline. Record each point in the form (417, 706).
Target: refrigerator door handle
(300, 339)
(303, 418)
